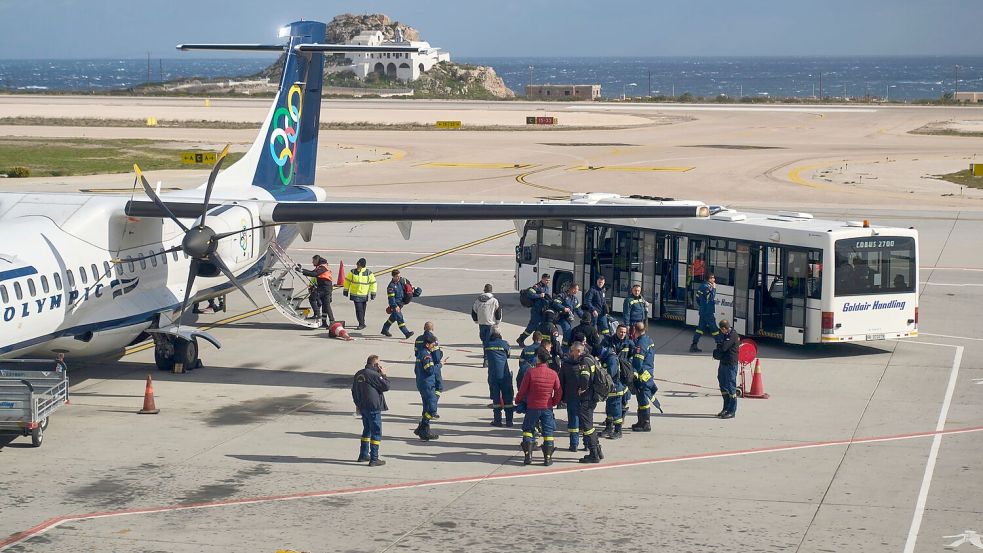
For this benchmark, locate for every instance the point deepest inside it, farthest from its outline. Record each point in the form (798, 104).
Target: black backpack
(601, 383)
(626, 373)
(524, 298)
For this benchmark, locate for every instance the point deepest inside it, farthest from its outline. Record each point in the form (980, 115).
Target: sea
(899, 78)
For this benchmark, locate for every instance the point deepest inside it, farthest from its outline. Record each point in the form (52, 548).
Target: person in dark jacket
(539, 296)
(540, 392)
(551, 332)
(635, 310)
(586, 333)
(527, 358)
(426, 369)
(726, 352)
(566, 306)
(596, 304)
(368, 393)
(321, 292)
(500, 388)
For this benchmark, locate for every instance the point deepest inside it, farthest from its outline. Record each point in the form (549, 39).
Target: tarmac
(872, 447)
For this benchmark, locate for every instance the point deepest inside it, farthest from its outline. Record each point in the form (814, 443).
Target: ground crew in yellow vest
(360, 287)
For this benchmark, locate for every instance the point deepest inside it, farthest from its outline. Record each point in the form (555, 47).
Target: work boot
(527, 452)
(385, 332)
(376, 463)
(509, 418)
(597, 447)
(521, 340)
(616, 434)
(548, 449)
(722, 411)
(574, 443)
(637, 427)
(727, 415)
(591, 457)
(408, 333)
(430, 434)
(607, 429)
(498, 419)
(644, 422)
(694, 349)
(419, 432)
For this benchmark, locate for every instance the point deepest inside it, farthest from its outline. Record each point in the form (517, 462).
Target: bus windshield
(875, 265)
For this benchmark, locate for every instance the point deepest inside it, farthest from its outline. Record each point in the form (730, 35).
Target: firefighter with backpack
(399, 292)
(621, 373)
(537, 298)
(593, 386)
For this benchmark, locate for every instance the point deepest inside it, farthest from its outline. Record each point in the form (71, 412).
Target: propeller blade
(192, 273)
(211, 181)
(156, 199)
(217, 261)
(235, 232)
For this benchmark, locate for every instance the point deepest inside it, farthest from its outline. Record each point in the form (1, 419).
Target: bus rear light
(827, 322)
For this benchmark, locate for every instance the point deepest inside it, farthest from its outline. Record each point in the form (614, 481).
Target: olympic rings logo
(283, 139)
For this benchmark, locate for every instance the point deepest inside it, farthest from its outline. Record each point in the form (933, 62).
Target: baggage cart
(30, 391)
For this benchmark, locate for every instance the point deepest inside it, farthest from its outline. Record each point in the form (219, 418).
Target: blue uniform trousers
(727, 378)
(546, 421)
(502, 395)
(428, 396)
(603, 325)
(396, 318)
(614, 408)
(707, 325)
(535, 319)
(566, 326)
(484, 331)
(573, 421)
(371, 435)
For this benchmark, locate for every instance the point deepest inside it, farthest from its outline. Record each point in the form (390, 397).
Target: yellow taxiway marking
(456, 165)
(795, 176)
(630, 168)
(521, 179)
(236, 318)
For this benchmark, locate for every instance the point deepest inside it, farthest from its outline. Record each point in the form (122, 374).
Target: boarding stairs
(288, 289)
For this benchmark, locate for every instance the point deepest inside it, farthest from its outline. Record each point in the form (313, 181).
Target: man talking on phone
(368, 391)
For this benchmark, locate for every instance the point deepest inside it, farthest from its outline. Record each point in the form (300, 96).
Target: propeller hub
(199, 242)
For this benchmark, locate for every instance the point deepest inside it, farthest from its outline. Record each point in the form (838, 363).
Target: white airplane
(86, 276)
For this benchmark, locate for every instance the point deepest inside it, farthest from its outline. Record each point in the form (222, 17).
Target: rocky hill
(455, 80)
(347, 26)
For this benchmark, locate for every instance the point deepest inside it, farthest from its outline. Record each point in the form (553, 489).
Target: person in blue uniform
(426, 369)
(566, 306)
(539, 296)
(500, 388)
(395, 292)
(368, 393)
(634, 309)
(644, 364)
(706, 302)
(527, 358)
(596, 304)
(624, 348)
(612, 407)
(727, 353)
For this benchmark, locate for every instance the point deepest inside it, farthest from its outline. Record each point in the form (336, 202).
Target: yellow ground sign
(976, 169)
(193, 158)
(448, 124)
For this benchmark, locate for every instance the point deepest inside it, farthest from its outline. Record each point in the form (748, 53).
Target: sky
(511, 28)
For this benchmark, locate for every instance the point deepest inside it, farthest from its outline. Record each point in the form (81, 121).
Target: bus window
(555, 242)
(814, 279)
(626, 260)
(798, 269)
(698, 261)
(723, 261)
(875, 265)
(526, 251)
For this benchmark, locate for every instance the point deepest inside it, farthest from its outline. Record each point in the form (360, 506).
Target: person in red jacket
(539, 392)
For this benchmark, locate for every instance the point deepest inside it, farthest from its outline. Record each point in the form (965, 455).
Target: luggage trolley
(29, 394)
(747, 352)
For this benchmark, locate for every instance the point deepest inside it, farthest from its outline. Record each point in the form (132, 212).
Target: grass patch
(68, 157)
(941, 129)
(962, 177)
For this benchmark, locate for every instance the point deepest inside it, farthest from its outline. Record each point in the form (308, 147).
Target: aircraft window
(174, 255)
(163, 256)
(17, 291)
(153, 260)
(31, 288)
(57, 282)
(71, 278)
(119, 269)
(95, 272)
(107, 271)
(143, 263)
(129, 264)
(83, 275)
(44, 284)
(3, 294)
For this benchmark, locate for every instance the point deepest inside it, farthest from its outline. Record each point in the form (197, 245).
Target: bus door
(770, 293)
(651, 281)
(796, 278)
(527, 257)
(673, 271)
(745, 284)
(598, 256)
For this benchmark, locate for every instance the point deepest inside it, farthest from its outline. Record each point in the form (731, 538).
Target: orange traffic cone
(341, 273)
(149, 407)
(757, 383)
(337, 330)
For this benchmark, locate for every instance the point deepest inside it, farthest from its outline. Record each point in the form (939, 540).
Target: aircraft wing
(272, 212)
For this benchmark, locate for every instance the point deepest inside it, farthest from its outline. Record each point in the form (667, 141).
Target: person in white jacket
(487, 312)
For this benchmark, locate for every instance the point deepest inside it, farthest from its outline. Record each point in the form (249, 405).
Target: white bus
(786, 276)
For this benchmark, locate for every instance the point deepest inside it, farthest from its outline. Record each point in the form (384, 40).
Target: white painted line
(948, 284)
(947, 336)
(676, 107)
(933, 454)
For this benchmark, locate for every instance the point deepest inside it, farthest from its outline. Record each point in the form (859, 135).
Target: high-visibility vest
(326, 275)
(360, 282)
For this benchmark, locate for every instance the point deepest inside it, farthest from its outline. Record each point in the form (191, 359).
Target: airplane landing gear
(175, 354)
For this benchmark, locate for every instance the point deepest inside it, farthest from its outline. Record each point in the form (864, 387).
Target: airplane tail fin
(283, 158)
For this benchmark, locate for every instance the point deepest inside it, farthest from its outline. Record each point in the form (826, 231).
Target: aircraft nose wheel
(170, 353)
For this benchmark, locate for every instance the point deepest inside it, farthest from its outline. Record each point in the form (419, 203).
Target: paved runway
(860, 448)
